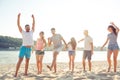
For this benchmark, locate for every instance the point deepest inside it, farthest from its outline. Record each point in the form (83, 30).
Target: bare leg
(109, 59)
(90, 64)
(115, 54)
(69, 62)
(54, 61)
(18, 66)
(55, 67)
(40, 67)
(83, 62)
(26, 65)
(37, 61)
(72, 61)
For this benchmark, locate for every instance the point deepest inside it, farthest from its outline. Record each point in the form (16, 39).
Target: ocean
(11, 57)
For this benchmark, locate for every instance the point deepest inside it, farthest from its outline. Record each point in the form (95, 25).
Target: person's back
(87, 41)
(88, 49)
(71, 52)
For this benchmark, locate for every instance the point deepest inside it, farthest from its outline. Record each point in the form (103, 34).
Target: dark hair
(52, 28)
(43, 36)
(42, 32)
(27, 25)
(114, 30)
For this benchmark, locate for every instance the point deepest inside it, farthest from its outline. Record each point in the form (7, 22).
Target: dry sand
(99, 72)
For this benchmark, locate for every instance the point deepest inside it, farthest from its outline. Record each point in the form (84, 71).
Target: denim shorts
(39, 52)
(113, 47)
(71, 52)
(87, 54)
(24, 51)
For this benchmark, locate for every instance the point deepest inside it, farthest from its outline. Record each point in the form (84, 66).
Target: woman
(71, 52)
(40, 45)
(113, 45)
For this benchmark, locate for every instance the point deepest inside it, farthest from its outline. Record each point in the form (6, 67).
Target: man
(88, 49)
(57, 42)
(25, 49)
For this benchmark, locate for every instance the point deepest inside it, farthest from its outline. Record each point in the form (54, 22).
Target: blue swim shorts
(24, 51)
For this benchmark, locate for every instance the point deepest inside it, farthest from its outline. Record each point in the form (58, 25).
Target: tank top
(39, 44)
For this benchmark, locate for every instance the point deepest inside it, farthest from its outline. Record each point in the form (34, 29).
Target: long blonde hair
(73, 43)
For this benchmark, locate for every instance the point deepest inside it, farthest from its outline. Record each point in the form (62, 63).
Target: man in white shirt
(28, 42)
(88, 49)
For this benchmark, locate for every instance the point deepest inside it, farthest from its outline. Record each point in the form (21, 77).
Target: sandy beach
(99, 72)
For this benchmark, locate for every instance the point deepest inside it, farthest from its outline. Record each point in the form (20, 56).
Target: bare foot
(39, 72)
(114, 70)
(49, 67)
(109, 69)
(89, 69)
(25, 74)
(84, 71)
(15, 75)
(72, 71)
(54, 72)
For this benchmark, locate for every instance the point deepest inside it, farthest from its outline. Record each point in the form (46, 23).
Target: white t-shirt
(27, 38)
(87, 43)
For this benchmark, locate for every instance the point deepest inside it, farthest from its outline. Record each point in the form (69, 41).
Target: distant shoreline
(9, 49)
(45, 50)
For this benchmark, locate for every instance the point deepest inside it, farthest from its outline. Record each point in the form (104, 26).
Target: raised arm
(104, 44)
(18, 23)
(33, 24)
(117, 29)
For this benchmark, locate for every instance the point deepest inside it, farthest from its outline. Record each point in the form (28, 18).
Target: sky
(69, 17)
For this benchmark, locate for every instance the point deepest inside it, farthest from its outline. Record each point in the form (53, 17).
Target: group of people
(57, 39)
